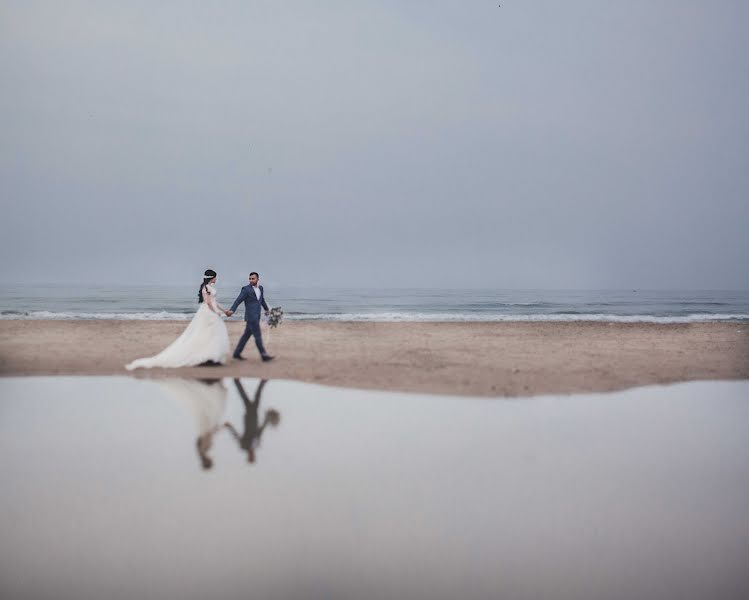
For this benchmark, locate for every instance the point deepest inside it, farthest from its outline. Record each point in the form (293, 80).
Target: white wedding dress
(205, 339)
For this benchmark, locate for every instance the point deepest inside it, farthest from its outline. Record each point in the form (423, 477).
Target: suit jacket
(251, 303)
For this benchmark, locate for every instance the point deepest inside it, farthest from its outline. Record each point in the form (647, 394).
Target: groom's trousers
(252, 327)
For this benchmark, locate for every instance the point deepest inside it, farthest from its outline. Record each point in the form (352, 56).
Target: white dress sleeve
(209, 297)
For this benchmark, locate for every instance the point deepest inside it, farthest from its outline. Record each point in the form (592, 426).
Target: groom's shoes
(235, 357)
(268, 357)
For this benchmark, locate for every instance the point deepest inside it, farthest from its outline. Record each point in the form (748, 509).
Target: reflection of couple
(206, 399)
(205, 340)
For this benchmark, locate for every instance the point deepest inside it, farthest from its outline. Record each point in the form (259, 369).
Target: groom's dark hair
(255, 273)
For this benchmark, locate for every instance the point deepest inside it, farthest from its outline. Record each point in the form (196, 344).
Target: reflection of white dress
(204, 339)
(206, 401)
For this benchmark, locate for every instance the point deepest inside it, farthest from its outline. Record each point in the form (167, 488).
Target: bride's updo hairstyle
(207, 276)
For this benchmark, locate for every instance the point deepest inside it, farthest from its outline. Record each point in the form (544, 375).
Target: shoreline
(731, 319)
(457, 358)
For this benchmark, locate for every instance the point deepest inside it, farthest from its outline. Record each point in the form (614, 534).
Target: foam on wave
(45, 315)
(391, 317)
(452, 317)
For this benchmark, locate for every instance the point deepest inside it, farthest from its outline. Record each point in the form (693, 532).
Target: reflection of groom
(253, 429)
(253, 298)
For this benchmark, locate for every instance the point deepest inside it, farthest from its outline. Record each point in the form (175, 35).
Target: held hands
(229, 313)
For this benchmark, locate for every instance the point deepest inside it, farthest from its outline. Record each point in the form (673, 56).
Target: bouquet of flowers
(275, 316)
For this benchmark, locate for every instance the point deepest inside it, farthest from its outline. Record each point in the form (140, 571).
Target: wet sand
(479, 359)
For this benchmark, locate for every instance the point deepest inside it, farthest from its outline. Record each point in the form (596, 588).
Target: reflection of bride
(205, 340)
(206, 400)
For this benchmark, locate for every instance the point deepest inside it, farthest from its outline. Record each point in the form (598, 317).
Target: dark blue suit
(251, 316)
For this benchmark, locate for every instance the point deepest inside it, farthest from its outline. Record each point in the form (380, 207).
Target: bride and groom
(206, 340)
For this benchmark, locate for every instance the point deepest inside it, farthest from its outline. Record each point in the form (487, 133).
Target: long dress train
(204, 339)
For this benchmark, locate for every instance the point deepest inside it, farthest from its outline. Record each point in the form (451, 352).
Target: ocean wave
(499, 303)
(391, 317)
(479, 318)
(45, 315)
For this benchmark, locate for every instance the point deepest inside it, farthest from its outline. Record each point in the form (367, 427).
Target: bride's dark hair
(207, 276)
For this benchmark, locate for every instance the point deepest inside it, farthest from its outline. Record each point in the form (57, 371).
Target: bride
(205, 340)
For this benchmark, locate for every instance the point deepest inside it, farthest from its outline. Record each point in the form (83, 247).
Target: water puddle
(142, 488)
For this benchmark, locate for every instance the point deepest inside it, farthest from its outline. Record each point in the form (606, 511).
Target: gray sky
(543, 144)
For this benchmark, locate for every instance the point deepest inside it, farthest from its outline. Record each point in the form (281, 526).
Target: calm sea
(180, 302)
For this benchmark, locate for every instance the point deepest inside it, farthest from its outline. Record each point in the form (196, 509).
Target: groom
(253, 298)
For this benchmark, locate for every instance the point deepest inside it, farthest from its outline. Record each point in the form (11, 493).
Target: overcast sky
(543, 144)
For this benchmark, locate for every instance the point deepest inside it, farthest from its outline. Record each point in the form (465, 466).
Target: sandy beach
(482, 359)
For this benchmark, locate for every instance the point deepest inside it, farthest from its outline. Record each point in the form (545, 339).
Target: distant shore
(478, 359)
